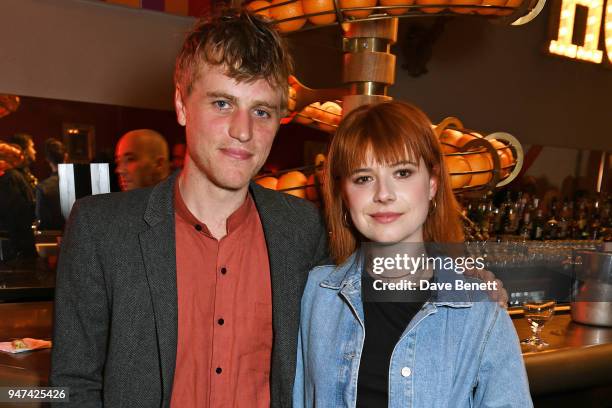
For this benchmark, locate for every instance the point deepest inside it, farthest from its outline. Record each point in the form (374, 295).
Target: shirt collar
(234, 221)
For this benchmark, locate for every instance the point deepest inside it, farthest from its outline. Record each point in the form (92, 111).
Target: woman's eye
(262, 113)
(362, 179)
(403, 173)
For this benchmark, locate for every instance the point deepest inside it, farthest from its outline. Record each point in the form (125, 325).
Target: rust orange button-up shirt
(224, 312)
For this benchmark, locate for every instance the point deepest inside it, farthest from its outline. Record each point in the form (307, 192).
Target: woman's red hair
(390, 131)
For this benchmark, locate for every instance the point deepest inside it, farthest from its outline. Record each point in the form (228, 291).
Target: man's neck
(207, 202)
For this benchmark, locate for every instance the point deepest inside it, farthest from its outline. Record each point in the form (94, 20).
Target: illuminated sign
(580, 38)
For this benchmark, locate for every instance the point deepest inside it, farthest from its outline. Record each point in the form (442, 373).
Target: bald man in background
(142, 159)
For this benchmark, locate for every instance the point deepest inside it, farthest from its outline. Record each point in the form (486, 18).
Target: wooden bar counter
(27, 279)
(29, 369)
(574, 370)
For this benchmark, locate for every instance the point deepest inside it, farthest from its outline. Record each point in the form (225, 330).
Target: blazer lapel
(277, 240)
(287, 286)
(158, 245)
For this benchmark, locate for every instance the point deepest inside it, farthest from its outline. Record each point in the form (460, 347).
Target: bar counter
(574, 370)
(27, 279)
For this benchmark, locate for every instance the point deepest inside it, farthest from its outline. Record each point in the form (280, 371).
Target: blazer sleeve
(81, 314)
(502, 378)
(322, 256)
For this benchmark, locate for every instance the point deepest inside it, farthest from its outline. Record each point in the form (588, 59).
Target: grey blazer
(115, 331)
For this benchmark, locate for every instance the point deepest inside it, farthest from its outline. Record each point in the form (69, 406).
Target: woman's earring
(345, 219)
(434, 205)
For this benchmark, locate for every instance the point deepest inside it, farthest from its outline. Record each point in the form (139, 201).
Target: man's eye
(262, 113)
(403, 173)
(221, 104)
(362, 179)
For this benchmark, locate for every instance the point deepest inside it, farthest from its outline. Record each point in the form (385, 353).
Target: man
(178, 156)
(142, 159)
(188, 294)
(16, 204)
(48, 210)
(26, 144)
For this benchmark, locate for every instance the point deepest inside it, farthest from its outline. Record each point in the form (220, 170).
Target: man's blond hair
(246, 46)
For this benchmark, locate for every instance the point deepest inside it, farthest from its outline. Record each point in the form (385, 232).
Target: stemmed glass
(537, 313)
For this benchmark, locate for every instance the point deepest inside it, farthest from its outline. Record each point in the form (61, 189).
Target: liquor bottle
(491, 214)
(572, 232)
(581, 231)
(551, 228)
(526, 226)
(594, 226)
(606, 220)
(518, 212)
(507, 214)
(564, 221)
(483, 219)
(537, 231)
(510, 220)
(469, 211)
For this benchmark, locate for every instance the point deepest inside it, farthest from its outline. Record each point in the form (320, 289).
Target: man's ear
(162, 166)
(179, 107)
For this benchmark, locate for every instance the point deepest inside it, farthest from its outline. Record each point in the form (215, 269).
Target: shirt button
(218, 370)
(198, 227)
(223, 270)
(406, 372)
(220, 321)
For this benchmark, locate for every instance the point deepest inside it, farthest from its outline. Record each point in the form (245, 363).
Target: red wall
(43, 118)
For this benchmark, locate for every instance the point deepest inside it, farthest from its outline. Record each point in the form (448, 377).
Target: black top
(384, 324)
(48, 209)
(17, 214)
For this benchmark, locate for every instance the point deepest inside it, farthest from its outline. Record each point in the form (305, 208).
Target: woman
(386, 183)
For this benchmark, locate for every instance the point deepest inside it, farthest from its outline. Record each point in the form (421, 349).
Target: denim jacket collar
(348, 275)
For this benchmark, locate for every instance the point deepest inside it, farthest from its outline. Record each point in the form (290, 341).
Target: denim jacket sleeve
(298, 385)
(502, 379)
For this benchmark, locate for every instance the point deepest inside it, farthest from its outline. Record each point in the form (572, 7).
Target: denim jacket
(454, 353)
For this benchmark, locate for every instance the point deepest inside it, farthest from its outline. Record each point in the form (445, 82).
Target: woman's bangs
(385, 145)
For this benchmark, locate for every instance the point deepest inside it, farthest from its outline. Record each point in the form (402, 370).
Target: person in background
(178, 156)
(142, 159)
(361, 347)
(16, 205)
(26, 143)
(48, 210)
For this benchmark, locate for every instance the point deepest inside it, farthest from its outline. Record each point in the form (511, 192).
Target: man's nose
(241, 126)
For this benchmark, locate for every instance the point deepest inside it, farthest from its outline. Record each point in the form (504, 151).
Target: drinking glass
(537, 313)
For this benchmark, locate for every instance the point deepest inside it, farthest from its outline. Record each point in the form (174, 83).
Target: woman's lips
(385, 217)
(238, 154)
